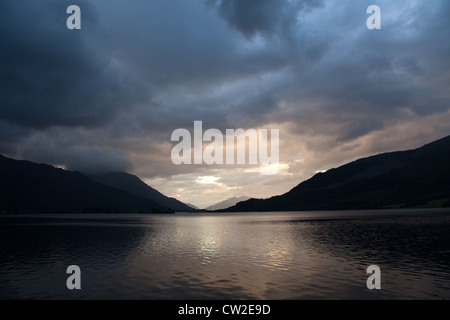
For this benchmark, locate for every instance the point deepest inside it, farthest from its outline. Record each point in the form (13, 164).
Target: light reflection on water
(307, 255)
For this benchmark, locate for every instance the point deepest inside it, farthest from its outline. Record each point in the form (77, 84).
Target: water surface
(294, 255)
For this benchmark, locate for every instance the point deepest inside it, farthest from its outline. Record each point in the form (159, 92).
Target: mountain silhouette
(227, 203)
(30, 187)
(132, 184)
(402, 179)
(192, 206)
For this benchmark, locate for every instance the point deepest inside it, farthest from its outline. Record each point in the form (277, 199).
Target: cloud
(53, 76)
(266, 17)
(110, 95)
(73, 150)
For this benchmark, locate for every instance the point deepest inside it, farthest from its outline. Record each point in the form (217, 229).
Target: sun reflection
(209, 239)
(278, 258)
(208, 244)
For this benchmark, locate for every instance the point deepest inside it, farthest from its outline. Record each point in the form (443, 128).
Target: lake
(284, 255)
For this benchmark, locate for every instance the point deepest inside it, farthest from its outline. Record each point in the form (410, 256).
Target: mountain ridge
(133, 184)
(28, 187)
(399, 179)
(227, 203)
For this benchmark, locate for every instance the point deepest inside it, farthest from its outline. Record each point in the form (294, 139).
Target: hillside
(134, 185)
(30, 187)
(227, 203)
(414, 178)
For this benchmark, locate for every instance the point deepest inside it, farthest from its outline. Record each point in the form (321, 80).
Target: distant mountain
(134, 185)
(414, 178)
(192, 206)
(227, 203)
(30, 187)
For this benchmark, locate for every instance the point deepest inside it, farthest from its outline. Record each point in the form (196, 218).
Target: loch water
(267, 255)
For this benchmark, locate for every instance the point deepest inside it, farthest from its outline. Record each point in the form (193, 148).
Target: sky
(108, 97)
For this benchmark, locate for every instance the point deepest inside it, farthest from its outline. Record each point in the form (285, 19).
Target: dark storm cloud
(50, 75)
(369, 81)
(267, 17)
(140, 69)
(73, 149)
(10, 136)
(180, 46)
